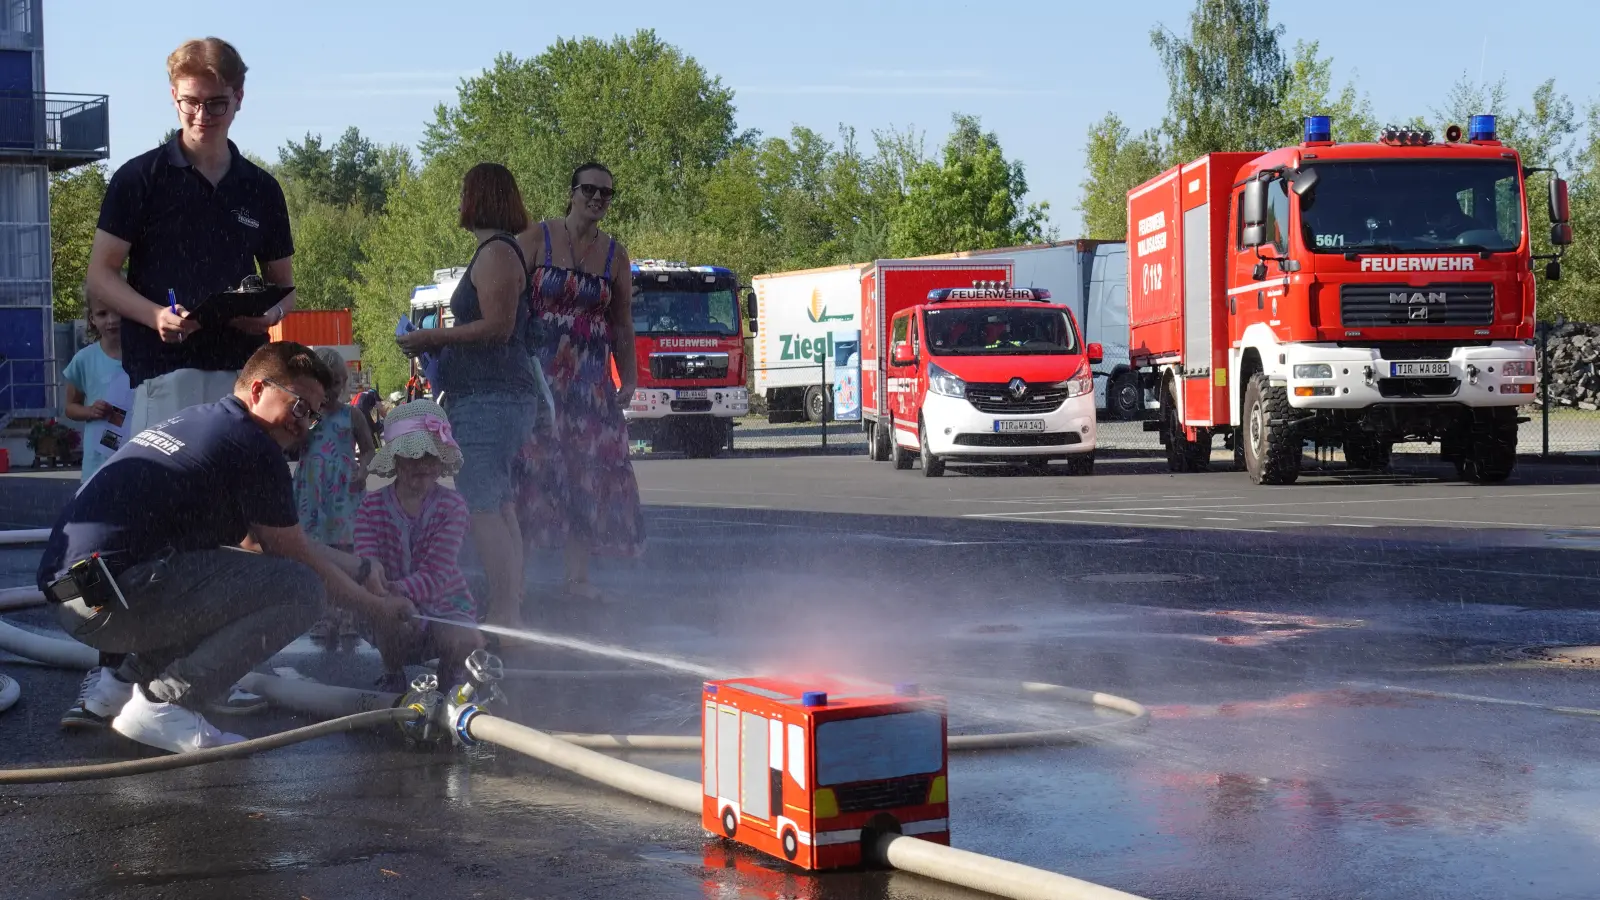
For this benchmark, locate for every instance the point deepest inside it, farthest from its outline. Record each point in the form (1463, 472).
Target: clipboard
(220, 308)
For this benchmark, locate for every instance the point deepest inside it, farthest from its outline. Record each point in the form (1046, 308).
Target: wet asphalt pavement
(1292, 645)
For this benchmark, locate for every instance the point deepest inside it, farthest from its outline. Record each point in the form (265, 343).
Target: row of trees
(372, 222)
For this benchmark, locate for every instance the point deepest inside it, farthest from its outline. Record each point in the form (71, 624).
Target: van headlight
(1315, 370)
(941, 381)
(1081, 382)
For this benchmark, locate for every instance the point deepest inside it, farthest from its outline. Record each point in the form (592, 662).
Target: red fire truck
(959, 365)
(1352, 295)
(689, 349)
(810, 770)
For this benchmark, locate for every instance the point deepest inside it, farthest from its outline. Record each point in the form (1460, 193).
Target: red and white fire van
(957, 365)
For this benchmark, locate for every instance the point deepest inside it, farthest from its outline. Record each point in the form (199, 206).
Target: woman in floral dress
(579, 492)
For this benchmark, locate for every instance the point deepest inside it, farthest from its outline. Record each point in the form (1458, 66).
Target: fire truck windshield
(1414, 206)
(877, 747)
(999, 330)
(686, 311)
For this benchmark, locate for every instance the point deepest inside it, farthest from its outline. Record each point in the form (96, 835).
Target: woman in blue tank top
(487, 380)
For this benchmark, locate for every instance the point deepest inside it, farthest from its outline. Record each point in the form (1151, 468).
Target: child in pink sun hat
(414, 528)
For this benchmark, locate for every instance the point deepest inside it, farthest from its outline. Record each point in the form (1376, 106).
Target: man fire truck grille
(1378, 305)
(999, 399)
(689, 365)
(882, 795)
(1017, 439)
(685, 406)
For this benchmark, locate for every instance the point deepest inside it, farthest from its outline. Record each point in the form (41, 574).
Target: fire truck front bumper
(957, 429)
(1327, 376)
(662, 403)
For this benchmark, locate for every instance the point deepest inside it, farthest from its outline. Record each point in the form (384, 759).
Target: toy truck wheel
(1368, 452)
(730, 822)
(1271, 452)
(791, 844)
(900, 456)
(932, 466)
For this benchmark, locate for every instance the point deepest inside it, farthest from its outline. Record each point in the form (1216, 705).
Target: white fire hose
(571, 752)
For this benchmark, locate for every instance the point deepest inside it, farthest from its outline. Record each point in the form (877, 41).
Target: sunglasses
(300, 409)
(590, 190)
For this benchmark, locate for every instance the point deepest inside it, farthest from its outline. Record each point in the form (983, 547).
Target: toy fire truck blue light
(814, 698)
(1319, 129)
(1481, 129)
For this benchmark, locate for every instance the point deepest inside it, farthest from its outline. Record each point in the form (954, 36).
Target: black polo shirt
(197, 481)
(197, 239)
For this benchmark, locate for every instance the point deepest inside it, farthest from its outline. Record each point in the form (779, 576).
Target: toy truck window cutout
(804, 770)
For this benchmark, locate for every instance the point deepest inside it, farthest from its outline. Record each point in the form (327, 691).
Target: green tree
(1577, 295)
(1225, 79)
(416, 234)
(971, 200)
(1309, 91)
(1115, 162)
(637, 104)
(352, 172)
(75, 197)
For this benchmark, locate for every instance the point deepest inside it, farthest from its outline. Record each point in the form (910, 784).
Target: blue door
(22, 384)
(16, 99)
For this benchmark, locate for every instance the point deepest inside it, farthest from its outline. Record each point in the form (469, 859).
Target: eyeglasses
(215, 106)
(590, 190)
(300, 409)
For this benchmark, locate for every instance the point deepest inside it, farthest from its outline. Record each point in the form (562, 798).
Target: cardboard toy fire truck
(806, 770)
(1346, 294)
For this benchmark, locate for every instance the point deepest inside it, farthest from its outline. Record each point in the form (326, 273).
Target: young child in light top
(414, 528)
(97, 387)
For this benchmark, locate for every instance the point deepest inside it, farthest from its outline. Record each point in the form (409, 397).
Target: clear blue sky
(1038, 74)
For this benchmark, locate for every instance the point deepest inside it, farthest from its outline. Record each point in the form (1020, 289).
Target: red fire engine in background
(809, 770)
(1352, 295)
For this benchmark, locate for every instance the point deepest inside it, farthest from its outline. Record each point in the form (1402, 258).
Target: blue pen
(172, 301)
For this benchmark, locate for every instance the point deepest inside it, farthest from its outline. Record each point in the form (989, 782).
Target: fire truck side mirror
(1255, 213)
(1552, 269)
(1560, 206)
(901, 354)
(1305, 181)
(1097, 354)
(750, 309)
(1560, 234)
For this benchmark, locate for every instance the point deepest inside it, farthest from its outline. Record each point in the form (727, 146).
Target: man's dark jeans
(197, 622)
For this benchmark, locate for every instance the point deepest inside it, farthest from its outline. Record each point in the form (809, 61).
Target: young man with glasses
(190, 610)
(189, 219)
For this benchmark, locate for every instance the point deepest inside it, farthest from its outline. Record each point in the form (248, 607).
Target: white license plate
(1001, 426)
(1418, 369)
(691, 395)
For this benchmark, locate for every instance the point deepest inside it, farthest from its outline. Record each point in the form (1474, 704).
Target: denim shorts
(491, 429)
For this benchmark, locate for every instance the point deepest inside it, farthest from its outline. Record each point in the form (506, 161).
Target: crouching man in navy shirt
(167, 515)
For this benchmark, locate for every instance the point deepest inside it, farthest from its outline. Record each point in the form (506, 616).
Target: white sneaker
(168, 726)
(100, 697)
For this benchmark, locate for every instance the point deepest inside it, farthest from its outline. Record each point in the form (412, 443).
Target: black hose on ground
(59, 774)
